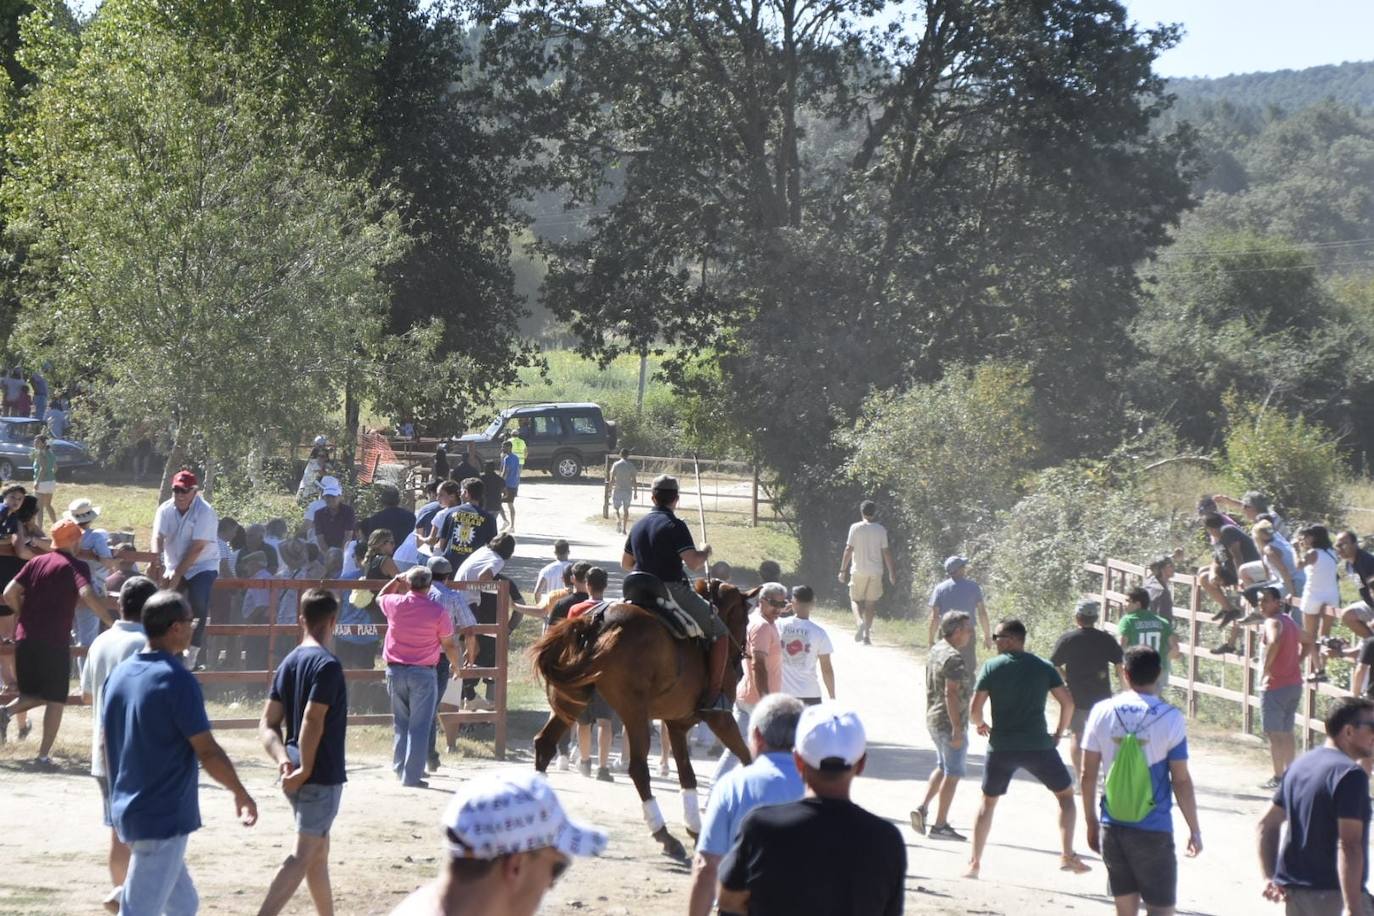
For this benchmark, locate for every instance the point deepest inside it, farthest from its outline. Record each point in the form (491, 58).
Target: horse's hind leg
(546, 742)
(637, 732)
(686, 776)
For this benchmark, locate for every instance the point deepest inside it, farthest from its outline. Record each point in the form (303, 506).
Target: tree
(997, 180)
(199, 258)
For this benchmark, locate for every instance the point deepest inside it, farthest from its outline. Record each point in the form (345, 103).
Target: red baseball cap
(184, 480)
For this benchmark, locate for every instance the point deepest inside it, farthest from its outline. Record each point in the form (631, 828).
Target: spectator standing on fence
(1232, 548)
(186, 535)
(771, 778)
(960, 593)
(823, 854)
(551, 576)
(806, 646)
(1018, 682)
(399, 521)
(508, 842)
(1321, 865)
(44, 594)
(1136, 832)
(44, 461)
(466, 527)
(947, 705)
(1085, 657)
(1280, 677)
(303, 730)
(866, 555)
(1280, 562)
(1254, 505)
(762, 664)
(1321, 591)
(156, 730)
(624, 484)
(418, 630)
(510, 476)
(1359, 564)
(124, 639)
(1140, 626)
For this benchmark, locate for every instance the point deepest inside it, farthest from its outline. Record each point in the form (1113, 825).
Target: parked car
(562, 439)
(16, 447)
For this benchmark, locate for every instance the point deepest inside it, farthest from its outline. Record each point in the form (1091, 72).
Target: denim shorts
(949, 760)
(315, 807)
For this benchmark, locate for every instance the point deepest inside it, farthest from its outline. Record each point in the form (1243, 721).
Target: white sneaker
(663, 769)
(562, 763)
(479, 704)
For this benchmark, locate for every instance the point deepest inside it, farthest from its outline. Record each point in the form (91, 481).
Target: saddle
(647, 591)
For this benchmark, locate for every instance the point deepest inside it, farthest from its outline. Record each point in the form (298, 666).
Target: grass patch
(124, 507)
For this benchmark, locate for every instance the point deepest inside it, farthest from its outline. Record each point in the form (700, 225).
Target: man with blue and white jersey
(1139, 855)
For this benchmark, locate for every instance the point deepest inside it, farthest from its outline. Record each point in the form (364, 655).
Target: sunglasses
(775, 602)
(1003, 635)
(180, 491)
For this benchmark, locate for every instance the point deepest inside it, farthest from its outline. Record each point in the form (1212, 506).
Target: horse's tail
(567, 658)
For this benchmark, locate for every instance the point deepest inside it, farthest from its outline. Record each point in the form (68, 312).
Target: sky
(1244, 36)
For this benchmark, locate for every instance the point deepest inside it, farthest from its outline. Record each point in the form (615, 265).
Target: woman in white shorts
(44, 476)
(1321, 589)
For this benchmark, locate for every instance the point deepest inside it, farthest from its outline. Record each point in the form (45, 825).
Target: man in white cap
(823, 854)
(508, 841)
(334, 521)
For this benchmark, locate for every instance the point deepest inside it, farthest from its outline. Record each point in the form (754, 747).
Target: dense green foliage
(1292, 460)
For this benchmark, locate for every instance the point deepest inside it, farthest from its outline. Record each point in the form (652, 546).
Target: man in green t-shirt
(1018, 684)
(1143, 627)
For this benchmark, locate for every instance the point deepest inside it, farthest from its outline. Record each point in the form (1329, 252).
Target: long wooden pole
(701, 499)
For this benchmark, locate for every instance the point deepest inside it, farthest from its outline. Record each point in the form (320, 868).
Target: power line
(1309, 246)
(1256, 270)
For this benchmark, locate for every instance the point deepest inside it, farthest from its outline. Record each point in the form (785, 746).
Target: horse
(643, 672)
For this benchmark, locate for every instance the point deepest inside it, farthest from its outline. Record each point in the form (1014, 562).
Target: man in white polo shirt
(186, 534)
(866, 555)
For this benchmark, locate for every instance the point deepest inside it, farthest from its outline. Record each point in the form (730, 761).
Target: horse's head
(731, 604)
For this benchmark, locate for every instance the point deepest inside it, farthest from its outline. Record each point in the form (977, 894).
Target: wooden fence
(732, 481)
(1245, 669)
(281, 638)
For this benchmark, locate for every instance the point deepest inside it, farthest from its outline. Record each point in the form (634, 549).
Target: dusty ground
(385, 840)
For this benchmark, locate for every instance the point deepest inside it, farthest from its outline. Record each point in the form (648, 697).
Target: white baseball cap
(514, 811)
(321, 440)
(329, 486)
(830, 737)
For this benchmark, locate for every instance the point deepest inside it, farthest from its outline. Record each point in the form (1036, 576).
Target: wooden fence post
(754, 498)
(606, 491)
(502, 646)
(1247, 681)
(1194, 609)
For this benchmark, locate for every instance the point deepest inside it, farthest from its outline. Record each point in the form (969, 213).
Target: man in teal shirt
(1018, 683)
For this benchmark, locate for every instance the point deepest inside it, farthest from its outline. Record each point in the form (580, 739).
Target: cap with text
(510, 812)
(830, 737)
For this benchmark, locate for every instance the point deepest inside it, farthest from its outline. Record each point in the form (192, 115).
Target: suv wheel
(6, 469)
(567, 466)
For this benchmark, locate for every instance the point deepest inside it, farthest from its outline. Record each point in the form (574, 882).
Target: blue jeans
(414, 697)
(197, 589)
(441, 673)
(158, 882)
(729, 761)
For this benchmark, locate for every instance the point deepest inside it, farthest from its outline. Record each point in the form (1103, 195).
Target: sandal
(1074, 864)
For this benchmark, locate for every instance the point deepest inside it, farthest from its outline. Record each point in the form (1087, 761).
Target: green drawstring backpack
(1130, 790)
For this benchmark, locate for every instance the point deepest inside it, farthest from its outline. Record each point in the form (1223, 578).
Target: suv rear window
(583, 425)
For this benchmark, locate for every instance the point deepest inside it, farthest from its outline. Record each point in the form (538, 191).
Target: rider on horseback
(660, 543)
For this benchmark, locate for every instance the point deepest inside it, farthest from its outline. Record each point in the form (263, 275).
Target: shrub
(1296, 463)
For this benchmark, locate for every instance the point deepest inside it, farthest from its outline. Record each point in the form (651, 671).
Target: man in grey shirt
(960, 593)
(623, 486)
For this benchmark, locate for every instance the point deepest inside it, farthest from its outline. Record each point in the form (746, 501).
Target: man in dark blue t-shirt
(465, 527)
(153, 715)
(1322, 865)
(660, 544)
(303, 728)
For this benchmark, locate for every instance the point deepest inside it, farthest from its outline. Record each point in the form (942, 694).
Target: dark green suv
(562, 439)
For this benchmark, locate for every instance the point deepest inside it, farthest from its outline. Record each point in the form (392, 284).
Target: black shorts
(1140, 862)
(810, 701)
(597, 708)
(1046, 766)
(42, 670)
(1226, 574)
(511, 494)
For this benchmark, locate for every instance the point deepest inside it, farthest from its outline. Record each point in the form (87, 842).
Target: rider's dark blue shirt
(657, 541)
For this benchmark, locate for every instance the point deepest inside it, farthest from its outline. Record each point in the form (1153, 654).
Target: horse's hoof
(671, 846)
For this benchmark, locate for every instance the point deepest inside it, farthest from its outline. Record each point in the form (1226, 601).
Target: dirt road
(385, 840)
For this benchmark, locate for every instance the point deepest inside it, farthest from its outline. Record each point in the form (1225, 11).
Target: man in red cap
(186, 534)
(44, 595)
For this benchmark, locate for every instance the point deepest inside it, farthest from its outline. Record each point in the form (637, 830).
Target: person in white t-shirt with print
(551, 576)
(805, 644)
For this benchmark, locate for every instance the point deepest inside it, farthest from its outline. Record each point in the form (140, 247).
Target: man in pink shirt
(1280, 677)
(418, 629)
(762, 664)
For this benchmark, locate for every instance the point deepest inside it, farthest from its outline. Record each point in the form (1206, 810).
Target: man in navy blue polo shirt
(155, 726)
(660, 543)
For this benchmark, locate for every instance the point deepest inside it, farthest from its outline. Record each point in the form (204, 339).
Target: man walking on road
(823, 854)
(1018, 683)
(510, 476)
(947, 704)
(624, 483)
(44, 594)
(1280, 677)
(866, 555)
(156, 730)
(303, 727)
(762, 664)
(770, 779)
(805, 646)
(1085, 656)
(1322, 865)
(960, 593)
(1138, 851)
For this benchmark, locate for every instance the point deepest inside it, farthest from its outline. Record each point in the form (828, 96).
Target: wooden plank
(464, 718)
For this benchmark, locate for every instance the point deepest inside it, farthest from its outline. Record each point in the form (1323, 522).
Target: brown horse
(643, 673)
